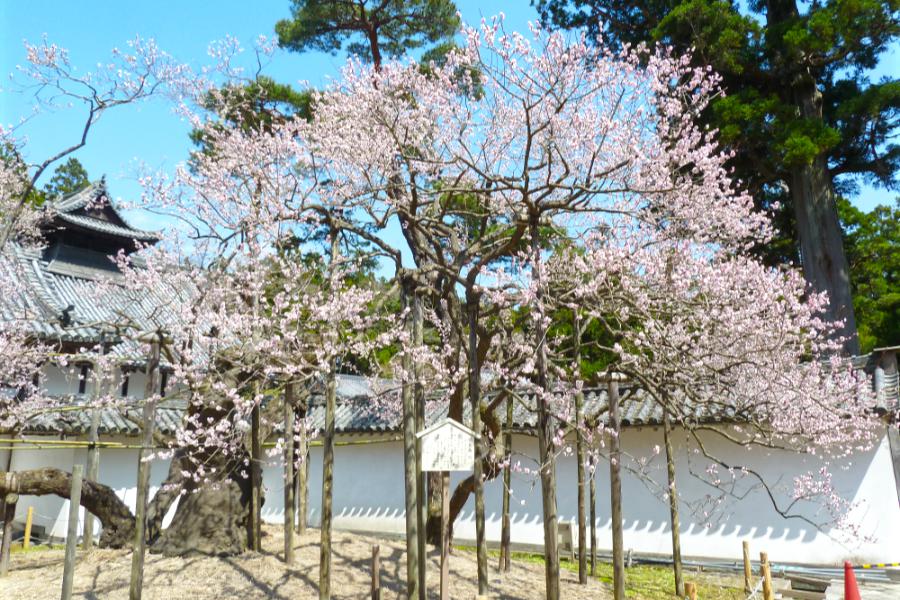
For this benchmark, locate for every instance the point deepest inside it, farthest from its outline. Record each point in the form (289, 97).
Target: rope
(754, 593)
(877, 565)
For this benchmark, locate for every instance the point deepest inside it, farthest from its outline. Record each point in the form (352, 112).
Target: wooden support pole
(93, 462)
(579, 458)
(419, 399)
(505, 533)
(410, 488)
(289, 473)
(135, 588)
(302, 494)
(255, 479)
(473, 301)
(748, 573)
(766, 574)
(615, 484)
(675, 520)
(327, 485)
(593, 511)
(376, 572)
(445, 535)
(690, 590)
(29, 519)
(72, 532)
(9, 513)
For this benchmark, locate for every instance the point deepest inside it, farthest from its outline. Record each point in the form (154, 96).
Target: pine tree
(801, 110)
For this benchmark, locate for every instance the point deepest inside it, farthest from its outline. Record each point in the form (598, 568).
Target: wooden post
(615, 484)
(766, 574)
(29, 519)
(419, 399)
(327, 485)
(255, 479)
(505, 533)
(546, 424)
(93, 462)
(72, 532)
(445, 535)
(376, 572)
(690, 590)
(135, 588)
(593, 511)
(473, 300)
(675, 520)
(579, 458)
(748, 584)
(410, 465)
(289, 473)
(9, 513)
(302, 494)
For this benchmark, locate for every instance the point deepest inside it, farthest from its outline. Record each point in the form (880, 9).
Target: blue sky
(149, 132)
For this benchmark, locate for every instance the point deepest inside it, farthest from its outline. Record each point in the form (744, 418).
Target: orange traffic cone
(851, 591)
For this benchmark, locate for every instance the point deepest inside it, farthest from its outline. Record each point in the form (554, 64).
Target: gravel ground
(104, 574)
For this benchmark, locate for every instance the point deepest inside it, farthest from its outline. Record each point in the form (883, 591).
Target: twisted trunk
(98, 499)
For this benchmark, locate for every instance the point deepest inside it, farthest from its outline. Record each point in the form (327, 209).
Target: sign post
(446, 446)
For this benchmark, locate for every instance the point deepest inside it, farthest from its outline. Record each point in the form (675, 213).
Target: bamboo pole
(135, 588)
(615, 484)
(289, 473)
(748, 572)
(766, 574)
(72, 532)
(29, 519)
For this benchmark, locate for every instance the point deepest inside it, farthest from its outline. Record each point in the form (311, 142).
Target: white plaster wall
(118, 469)
(369, 497)
(64, 380)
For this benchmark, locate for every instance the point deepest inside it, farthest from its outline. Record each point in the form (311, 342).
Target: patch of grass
(642, 582)
(17, 548)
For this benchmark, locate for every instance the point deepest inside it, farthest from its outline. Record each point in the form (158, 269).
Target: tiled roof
(72, 209)
(46, 293)
(360, 414)
(113, 421)
(109, 228)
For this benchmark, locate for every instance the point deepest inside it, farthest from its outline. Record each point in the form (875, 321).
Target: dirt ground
(103, 574)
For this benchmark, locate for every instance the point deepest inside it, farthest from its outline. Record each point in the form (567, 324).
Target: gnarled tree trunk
(98, 499)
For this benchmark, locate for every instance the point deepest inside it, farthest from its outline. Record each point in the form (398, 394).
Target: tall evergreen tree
(370, 29)
(801, 110)
(68, 178)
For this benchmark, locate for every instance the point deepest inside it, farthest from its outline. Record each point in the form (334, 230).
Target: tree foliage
(759, 52)
(873, 248)
(803, 113)
(369, 29)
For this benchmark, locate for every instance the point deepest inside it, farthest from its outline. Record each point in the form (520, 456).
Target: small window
(125, 378)
(83, 378)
